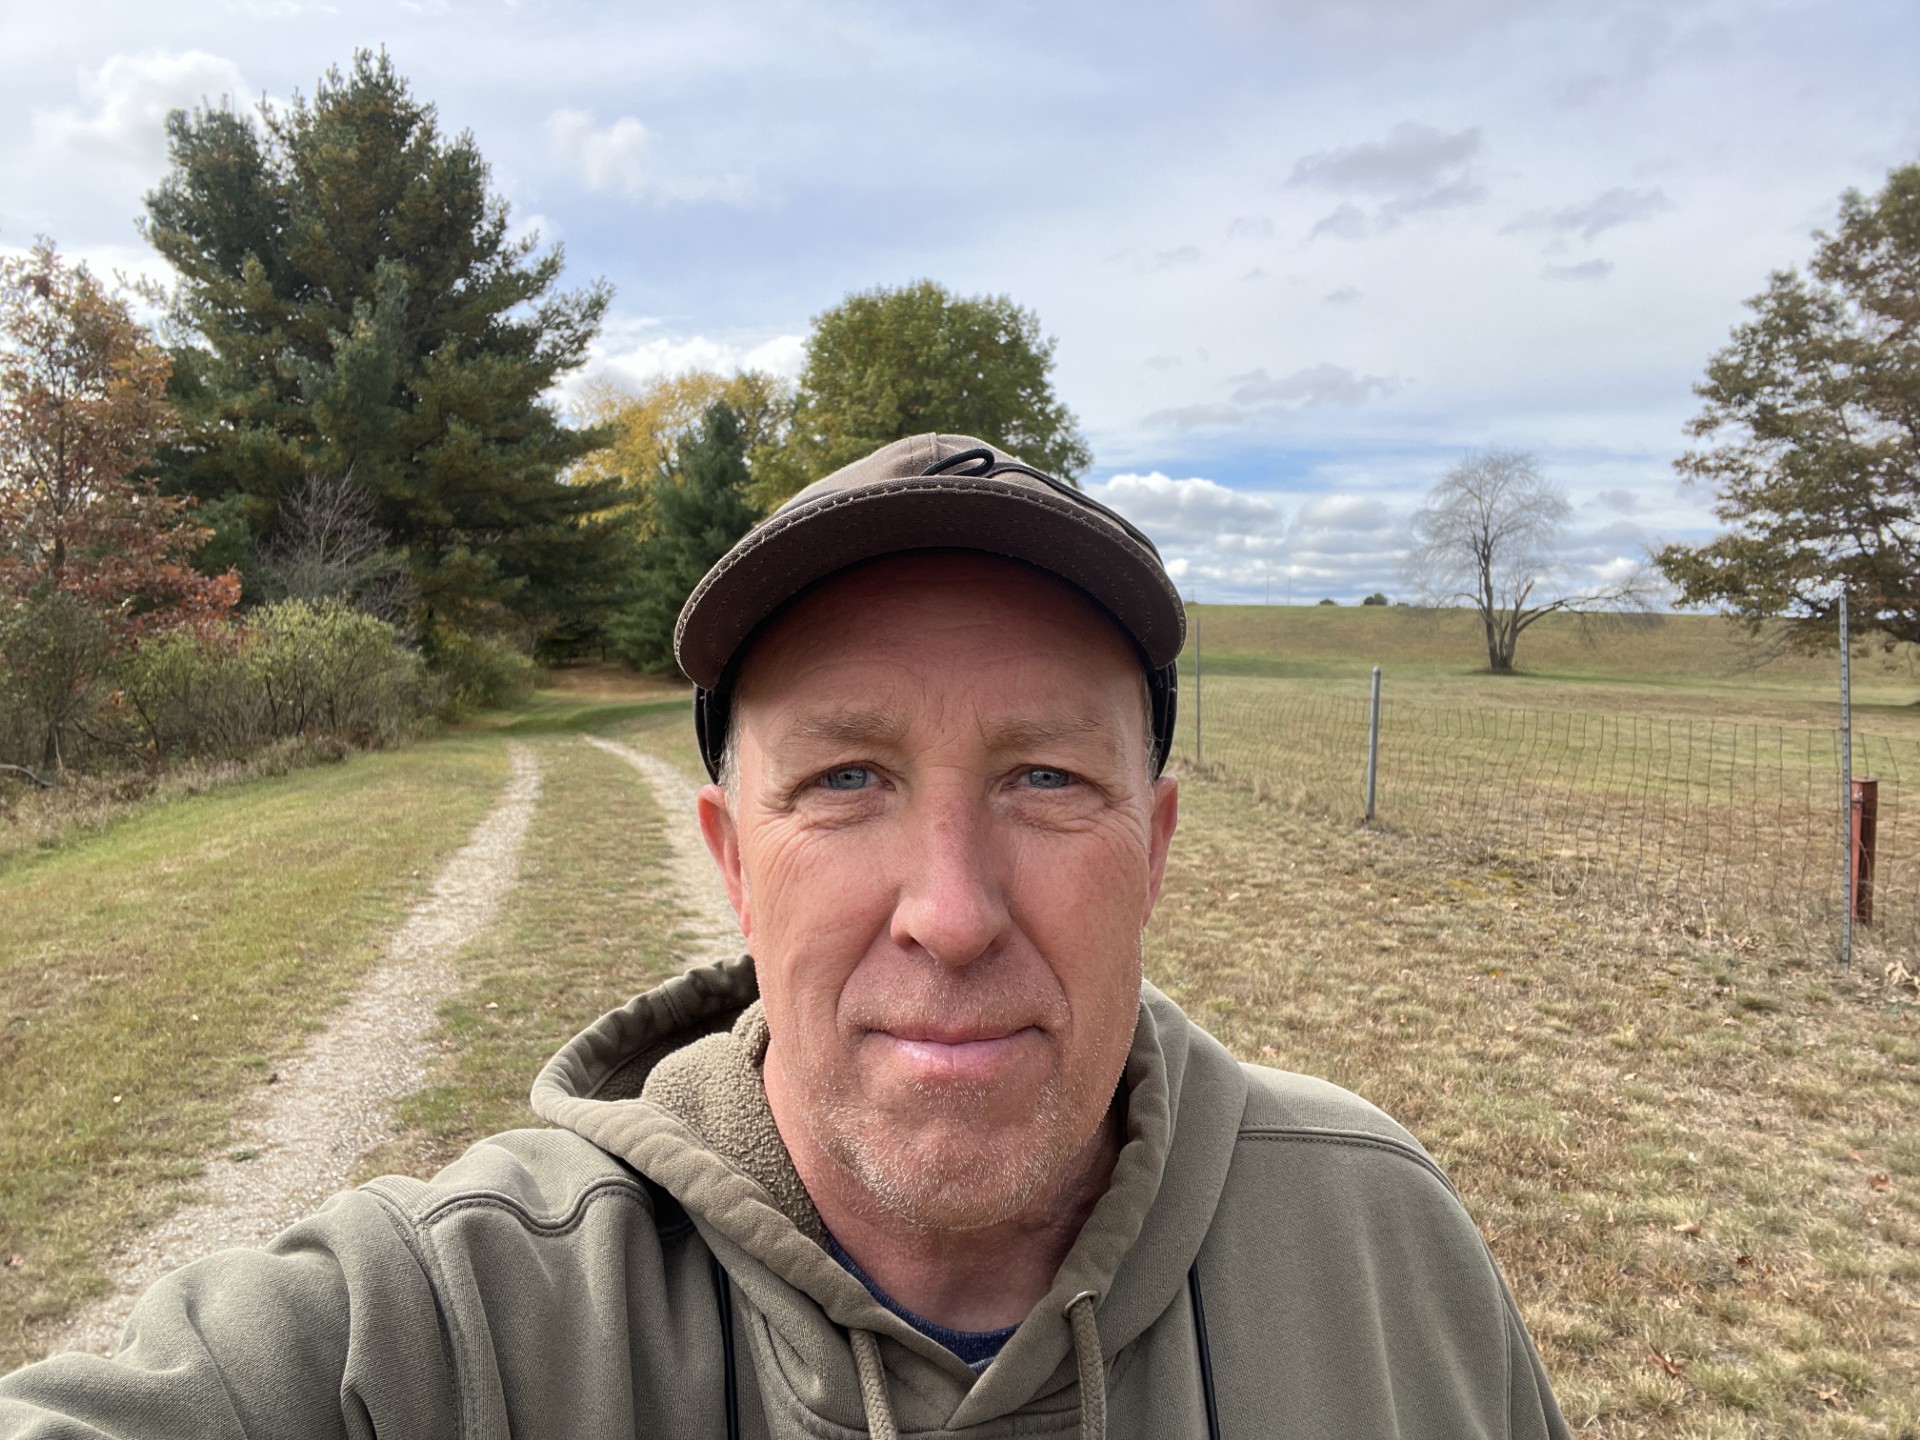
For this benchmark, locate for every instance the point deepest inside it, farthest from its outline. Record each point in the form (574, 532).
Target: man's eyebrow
(846, 727)
(1030, 734)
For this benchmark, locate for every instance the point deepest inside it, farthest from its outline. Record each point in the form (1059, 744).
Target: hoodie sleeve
(1532, 1412)
(330, 1330)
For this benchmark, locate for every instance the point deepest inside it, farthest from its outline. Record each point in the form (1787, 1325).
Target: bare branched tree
(330, 546)
(1487, 536)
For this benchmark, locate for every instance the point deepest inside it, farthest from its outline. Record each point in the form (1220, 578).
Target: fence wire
(1728, 823)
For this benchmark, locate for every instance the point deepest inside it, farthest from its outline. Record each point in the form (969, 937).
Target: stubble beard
(932, 1183)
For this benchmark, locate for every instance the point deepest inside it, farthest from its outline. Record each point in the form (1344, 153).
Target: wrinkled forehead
(955, 614)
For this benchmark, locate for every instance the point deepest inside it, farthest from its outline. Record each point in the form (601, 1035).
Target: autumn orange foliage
(82, 408)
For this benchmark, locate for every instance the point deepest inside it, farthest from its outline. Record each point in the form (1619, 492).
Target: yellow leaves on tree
(647, 427)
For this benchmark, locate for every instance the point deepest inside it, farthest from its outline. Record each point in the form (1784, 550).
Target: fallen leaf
(493, 1004)
(1882, 1181)
(1854, 1155)
(15, 1260)
(1667, 1363)
(1745, 1262)
(1268, 1050)
(1831, 1397)
(1446, 1086)
(1687, 1227)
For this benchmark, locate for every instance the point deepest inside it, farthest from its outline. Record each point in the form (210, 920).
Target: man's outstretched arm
(331, 1330)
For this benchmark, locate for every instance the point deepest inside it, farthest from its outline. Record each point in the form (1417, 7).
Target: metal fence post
(1847, 870)
(1373, 743)
(1199, 730)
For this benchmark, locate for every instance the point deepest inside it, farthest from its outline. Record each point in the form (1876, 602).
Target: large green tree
(1814, 414)
(350, 301)
(888, 363)
(699, 508)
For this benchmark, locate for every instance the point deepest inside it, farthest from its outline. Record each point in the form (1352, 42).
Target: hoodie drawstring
(1093, 1369)
(873, 1386)
(1086, 1356)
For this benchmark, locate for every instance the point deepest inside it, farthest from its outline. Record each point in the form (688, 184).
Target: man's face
(943, 845)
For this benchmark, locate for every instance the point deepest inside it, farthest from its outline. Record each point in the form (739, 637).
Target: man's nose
(951, 903)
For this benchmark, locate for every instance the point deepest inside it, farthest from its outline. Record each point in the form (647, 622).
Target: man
(934, 1160)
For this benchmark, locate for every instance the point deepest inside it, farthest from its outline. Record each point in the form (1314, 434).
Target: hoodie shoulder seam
(1355, 1138)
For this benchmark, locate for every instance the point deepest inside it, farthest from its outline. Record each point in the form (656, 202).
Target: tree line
(347, 423)
(337, 460)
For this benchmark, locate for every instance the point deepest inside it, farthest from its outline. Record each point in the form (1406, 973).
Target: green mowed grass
(152, 974)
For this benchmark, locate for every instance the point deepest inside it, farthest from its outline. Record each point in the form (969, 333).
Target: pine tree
(352, 302)
(699, 509)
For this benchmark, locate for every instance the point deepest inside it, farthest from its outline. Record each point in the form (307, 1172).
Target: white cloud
(619, 159)
(126, 103)
(1346, 512)
(1415, 170)
(1315, 385)
(1257, 395)
(1186, 508)
(1413, 159)
(1606, 211)
(632, 357)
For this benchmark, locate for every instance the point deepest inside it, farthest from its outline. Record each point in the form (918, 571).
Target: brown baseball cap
(928, 492)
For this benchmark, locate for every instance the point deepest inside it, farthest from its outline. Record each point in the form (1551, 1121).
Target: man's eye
(847, 777)
(1040, 777)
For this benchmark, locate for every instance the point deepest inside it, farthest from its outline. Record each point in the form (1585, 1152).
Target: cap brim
(797, 547)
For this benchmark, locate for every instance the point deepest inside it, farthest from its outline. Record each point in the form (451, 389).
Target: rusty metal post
(1866, 810)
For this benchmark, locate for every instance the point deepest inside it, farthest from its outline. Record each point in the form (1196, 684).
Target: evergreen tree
(350, 301)
(699, 509)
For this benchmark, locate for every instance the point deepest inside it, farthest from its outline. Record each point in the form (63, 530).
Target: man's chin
(956, 1172)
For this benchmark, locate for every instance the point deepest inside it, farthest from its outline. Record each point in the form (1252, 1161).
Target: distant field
(1682, 663)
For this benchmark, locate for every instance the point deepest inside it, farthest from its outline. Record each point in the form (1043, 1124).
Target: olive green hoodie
(1273, 1257)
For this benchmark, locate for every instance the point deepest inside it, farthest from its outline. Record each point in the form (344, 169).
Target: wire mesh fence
(1729, 823)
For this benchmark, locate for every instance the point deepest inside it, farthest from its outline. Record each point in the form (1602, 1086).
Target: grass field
(153, 973)
(1693, 1154)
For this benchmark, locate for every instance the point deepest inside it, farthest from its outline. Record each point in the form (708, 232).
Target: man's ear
(717, 828)
(1161, 823)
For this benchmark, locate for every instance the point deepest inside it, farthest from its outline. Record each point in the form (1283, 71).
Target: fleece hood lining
(1184, 1100)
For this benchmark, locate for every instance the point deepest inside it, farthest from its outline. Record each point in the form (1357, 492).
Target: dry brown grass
(1697, 1162)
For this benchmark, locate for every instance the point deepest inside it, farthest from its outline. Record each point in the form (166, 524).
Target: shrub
(324, 668)
(1376, 598)
(480, 672)
(53, 649)
(298, 668)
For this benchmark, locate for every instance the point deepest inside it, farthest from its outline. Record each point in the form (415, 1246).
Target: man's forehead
(891, 610)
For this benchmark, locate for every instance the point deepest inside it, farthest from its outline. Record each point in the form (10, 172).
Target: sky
(1298, 256)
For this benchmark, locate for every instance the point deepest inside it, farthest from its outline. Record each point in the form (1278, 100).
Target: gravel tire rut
(333, 1101)
(712, 931)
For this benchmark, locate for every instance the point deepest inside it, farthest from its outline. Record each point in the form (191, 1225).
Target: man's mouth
(936, 1053)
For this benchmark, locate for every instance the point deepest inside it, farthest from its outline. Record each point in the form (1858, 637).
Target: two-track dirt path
(696, 884)
(334, 1101)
